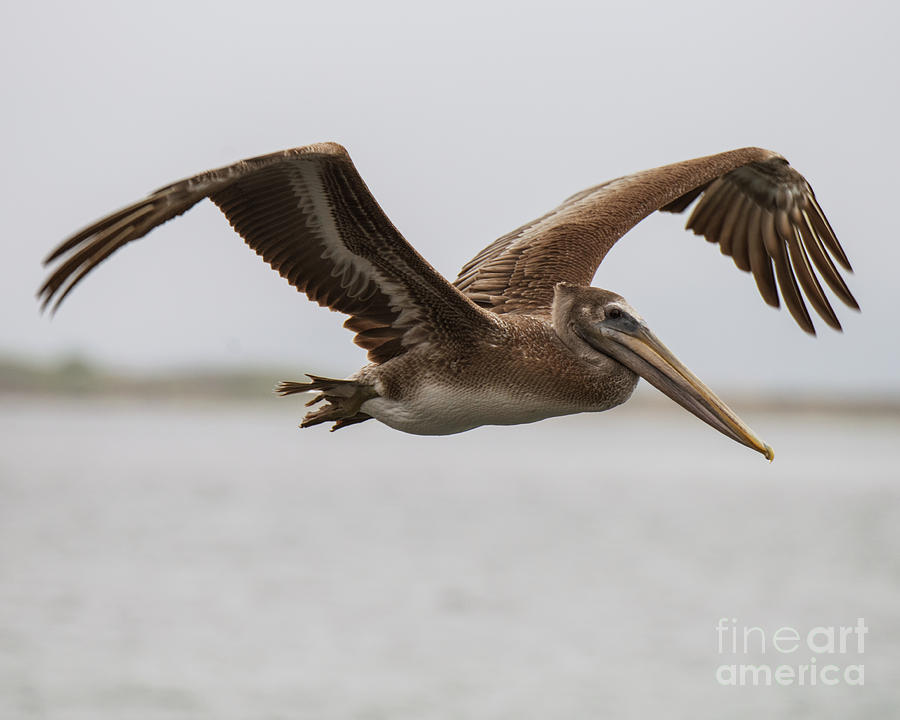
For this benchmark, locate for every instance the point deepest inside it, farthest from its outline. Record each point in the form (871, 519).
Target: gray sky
(465, 123)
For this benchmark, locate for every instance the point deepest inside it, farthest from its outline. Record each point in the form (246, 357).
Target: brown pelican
(520, 335)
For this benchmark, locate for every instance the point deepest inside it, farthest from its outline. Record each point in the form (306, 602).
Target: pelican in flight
(520, 335)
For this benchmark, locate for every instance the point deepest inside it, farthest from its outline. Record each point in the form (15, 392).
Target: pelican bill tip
(768, 452)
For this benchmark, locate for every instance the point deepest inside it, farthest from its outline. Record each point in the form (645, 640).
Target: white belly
(444, 410)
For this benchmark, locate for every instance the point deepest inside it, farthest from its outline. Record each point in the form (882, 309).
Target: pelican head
(591, 320)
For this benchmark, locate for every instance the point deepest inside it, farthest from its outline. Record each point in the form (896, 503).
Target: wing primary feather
(761, 262)
(92, 257)
(703, 212)
(82, 261)
(782, 226)
(136, 210)
(808, 282)
(726, 237)
(823, 263)
(746, 231)
(769, 233)
(724, 202)
(827, 234)
(789, 290)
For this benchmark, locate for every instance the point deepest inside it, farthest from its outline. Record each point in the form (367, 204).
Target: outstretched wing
(759, 209)
(310, 216)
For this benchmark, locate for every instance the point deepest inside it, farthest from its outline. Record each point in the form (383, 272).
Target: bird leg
(344, 398)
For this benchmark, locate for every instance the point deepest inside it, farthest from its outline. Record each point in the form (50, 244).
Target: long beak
(640, 350)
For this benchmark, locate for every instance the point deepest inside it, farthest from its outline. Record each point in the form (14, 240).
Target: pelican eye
(614, 313)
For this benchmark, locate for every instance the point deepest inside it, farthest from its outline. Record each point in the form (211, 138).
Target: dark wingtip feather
(44, 300)
(826, 232)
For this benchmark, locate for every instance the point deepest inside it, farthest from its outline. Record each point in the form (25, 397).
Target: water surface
(196, 560)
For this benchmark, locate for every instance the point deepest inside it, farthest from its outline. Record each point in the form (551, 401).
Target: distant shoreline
(75, 377)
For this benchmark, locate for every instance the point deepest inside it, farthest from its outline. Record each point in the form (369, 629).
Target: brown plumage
(754, 205)
(310, 216)
(514, 316)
